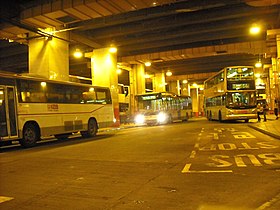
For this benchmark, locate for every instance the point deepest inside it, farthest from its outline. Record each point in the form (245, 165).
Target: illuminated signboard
(250, 85)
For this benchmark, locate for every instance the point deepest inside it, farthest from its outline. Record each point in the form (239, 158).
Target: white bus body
(33, 109)
(162, 108)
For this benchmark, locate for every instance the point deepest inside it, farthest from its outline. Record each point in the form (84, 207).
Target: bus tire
(30, 135)
(220, 116)
(210, 116)
(92, 129)
(170, 120)
(187, 117)
(247, 120)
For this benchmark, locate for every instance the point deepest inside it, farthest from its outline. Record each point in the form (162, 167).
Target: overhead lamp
(78, 53)
(258, 64)
(119, 71)
(255, 29)
(113, 49)
(168, 73)
(148, 63)
(185, 81)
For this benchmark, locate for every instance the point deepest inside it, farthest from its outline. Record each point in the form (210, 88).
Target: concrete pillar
(277, 68)
(159, 82)
(49, 57)
(174, 87)
(185, 89)
(195, 100)
(137, 84)
(104, 73)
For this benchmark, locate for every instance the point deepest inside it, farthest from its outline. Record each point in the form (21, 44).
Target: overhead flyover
(146, 29)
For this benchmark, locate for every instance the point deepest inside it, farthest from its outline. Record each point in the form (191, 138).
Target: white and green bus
(162, 108)
(33, 108)
(231, 94)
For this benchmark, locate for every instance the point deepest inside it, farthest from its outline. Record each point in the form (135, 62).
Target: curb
(265, 132)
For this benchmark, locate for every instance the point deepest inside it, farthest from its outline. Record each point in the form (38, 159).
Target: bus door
(8, 123)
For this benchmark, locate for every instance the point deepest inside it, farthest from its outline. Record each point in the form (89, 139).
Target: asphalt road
(197, 165)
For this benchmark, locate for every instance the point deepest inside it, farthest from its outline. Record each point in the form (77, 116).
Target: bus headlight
(161, 117)
(139, 119)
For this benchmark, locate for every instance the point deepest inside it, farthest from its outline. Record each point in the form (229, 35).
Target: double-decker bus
(231, 94)
(162, 108)
(34, 108)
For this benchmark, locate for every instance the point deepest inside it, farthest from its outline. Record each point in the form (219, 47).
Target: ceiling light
(113, 49)
(195, 85)
(78, 53)
(168, 73)
(148, 63)
(119, 71)
(185, 81)
(255, 29)
(258, 64)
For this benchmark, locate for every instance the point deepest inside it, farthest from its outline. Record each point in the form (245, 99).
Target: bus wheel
(30, 135)
(220, 117)
(187, 117)
(210, 116)
(92, 129)
(247, 120)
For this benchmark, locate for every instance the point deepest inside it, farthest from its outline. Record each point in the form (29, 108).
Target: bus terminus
(162, 108)
(231, 94)
(33, 108)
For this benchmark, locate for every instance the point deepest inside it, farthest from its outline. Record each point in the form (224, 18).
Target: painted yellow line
(4, 199)
(187, 167)
(193, 154)
(268, 204)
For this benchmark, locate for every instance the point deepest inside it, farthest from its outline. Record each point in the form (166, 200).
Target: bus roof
(34, 77)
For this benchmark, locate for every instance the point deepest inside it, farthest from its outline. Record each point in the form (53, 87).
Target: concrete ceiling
(184, 36)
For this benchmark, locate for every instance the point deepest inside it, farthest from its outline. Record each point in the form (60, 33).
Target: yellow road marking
(4, 199)
(187, 167)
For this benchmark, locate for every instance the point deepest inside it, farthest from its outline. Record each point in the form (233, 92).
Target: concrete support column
(173, 87)
(195, 100)
(276, 69)
(49, 57)
(159, 82)
(137, 84)
(104, 73)
(185, 89)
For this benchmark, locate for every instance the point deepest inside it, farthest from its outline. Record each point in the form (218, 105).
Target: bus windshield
(240, 73)
(241, 100)
(151, 105)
